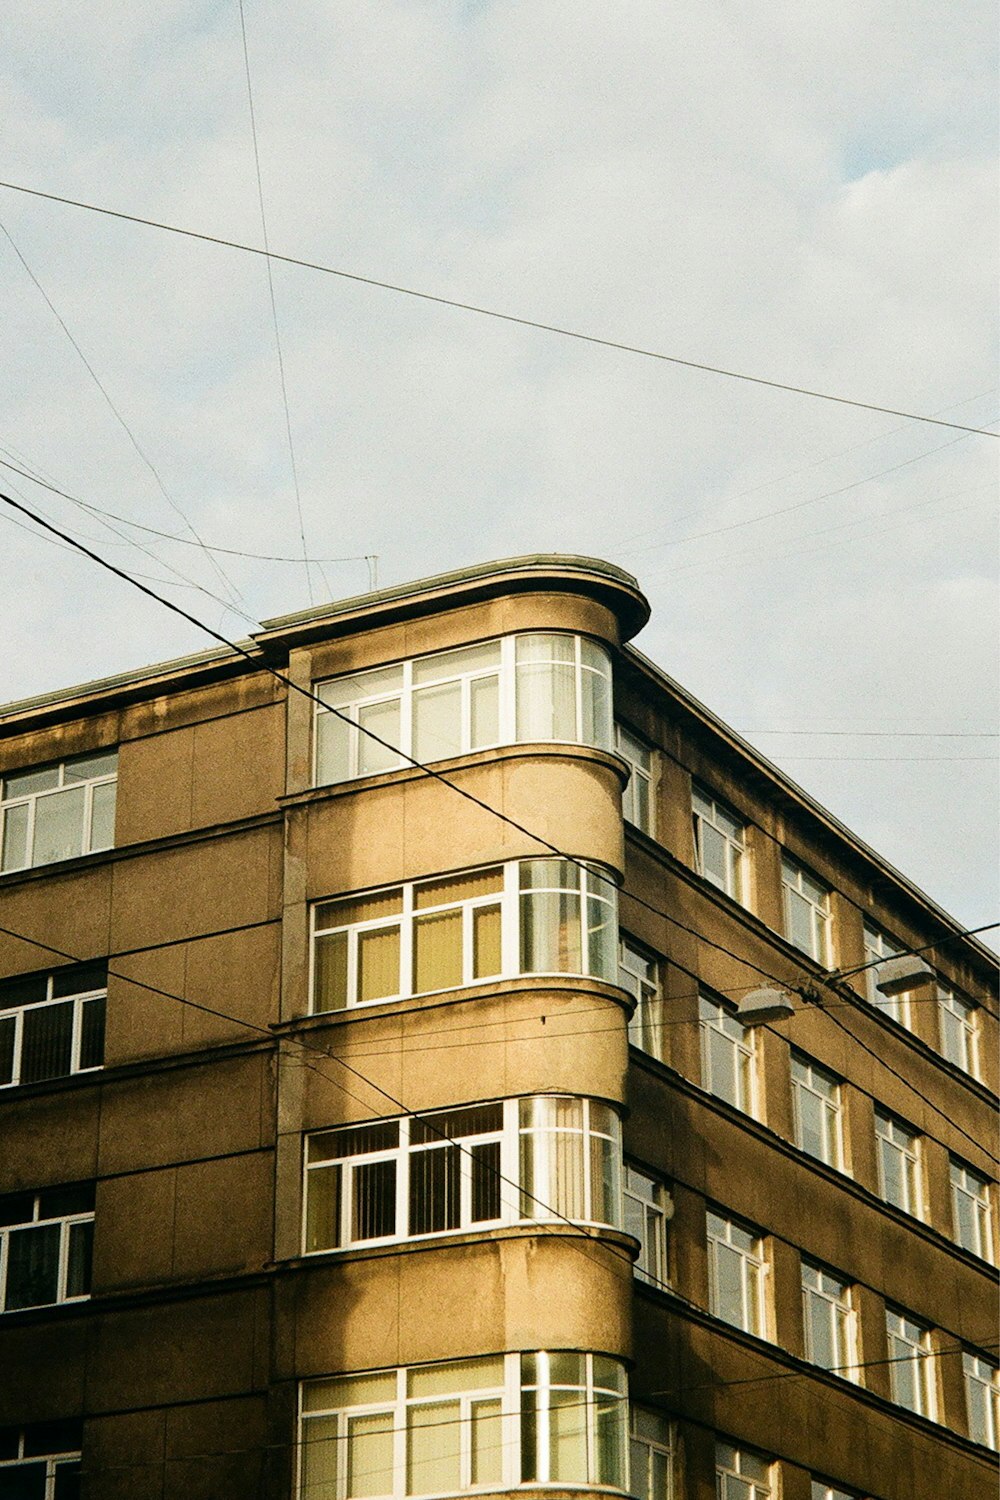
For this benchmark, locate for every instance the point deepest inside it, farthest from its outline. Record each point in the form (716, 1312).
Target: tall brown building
(375, 1131)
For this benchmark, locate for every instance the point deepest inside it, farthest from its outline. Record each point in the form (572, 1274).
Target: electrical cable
(487, 312)
(226, 582)
(429, 771)
(274, 310)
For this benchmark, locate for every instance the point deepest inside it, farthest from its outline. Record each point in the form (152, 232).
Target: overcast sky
(804, 193)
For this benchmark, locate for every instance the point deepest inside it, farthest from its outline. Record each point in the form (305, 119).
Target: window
(736, 1271)
(957, 1020)
(823, 1491)
(647, 1209)
(727, 1055)
(535, 916)
(554, 1417)
(970, 1210)
(816, 1106)
(45, 1246)
(539, 1158)
(898, 1163)
(741, 1475)
(910, 1371)
(638, 972)
(41, 1461)
(518, 689)
(807, 911)
(982, 1399)
(829, 1321)
(719, 849)
(651, 1450)
(57, 812)
(879, 947)
(52, 1025)
(637, 798)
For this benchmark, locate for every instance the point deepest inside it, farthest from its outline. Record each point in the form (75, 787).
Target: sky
(803, 194)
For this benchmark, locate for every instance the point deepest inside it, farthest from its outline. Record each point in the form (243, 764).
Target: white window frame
(969, 1185)
(726, 1235)
(707, 810)
(893, 1134)
(638, 807)
(596, 1125)
(515, 1394)
(652, 1453)
(910, 1345)
(12, 1022)
(718, 1021)
(639, 973)
(595, 894)
(826, 1295)
(40, 1220)
(799, 884)
(823, 1491)
(741, 1465)
(878, 948)
(589, 656)
(958, 1030)
(982, 1398)
(648, 1209)
(30, 800)
(812, 1082)
(53, 1461)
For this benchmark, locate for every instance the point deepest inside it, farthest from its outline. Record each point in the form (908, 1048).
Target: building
(369, 1131)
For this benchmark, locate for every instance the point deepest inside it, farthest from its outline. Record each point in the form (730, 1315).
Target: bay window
(533, 916)
(514, 690)
(547, 1417)
(535, 1159)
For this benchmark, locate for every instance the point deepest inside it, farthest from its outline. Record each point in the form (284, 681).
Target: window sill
(459, 1239)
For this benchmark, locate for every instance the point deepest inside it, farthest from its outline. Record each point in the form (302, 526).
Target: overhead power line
(491, 312)
(274, 309)
(470, 797)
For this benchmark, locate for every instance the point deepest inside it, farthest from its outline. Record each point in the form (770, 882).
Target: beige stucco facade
(208, 1313)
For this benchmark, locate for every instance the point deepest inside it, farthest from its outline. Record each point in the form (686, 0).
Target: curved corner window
(534, 916)
(491, 1423)
(513, 690)
(481, 1166)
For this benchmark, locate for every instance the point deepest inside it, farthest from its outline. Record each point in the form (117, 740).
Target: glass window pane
(320, 1451)
(437, 951)
(374, 1200)
(487, 1443)
(451, 1378)
(457, 888)
(102, 815)
(800, 921)
(67, 1485)
(7, 1030)
(381, 719)
(15, 838)
(568, 1199)
(46, 1042)
(359, 909)
(612, 1440)
(602, 935)
(369, 1455)
(92, 1033)
(486, 939)
(437, 722)
(349, 1390)
(330, 981)
(466, 659)
(87, 767)
(58, 826)
(333, 749)
(23, 1482)
(378, 963)
(435, 1189)
(81, 1245)
(434, 1449)
(23, 783)
(33, 1266)
(485, 1181)
(323, 1208)
(729, 1285)
(597, 715)
(485, 708)
(568, 1436)
(551, 939)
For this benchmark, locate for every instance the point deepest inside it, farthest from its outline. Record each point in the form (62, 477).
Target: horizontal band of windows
(535, 1159)
(512, 690)
(479, 1424)
(533, 916)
